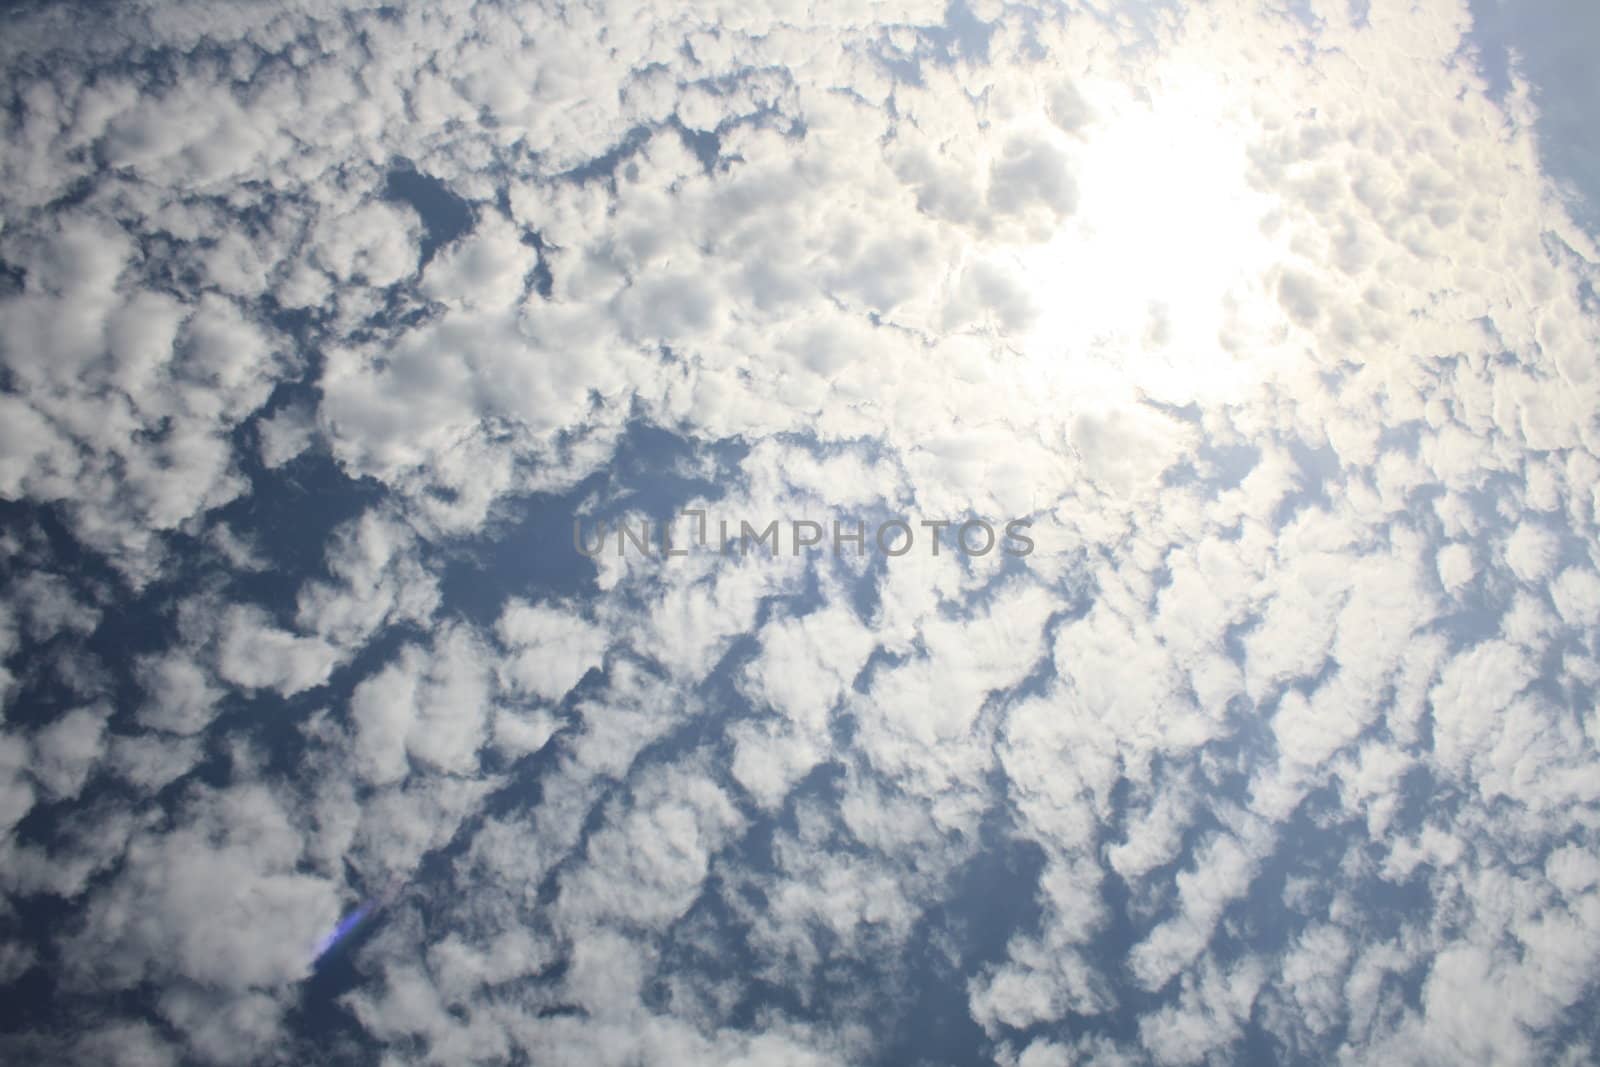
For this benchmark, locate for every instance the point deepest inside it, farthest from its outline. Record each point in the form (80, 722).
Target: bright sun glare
(1135, 290)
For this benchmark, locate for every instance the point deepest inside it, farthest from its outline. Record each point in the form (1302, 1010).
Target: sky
(1260, 338)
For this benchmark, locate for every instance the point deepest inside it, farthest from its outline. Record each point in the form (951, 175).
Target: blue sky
(322, 326)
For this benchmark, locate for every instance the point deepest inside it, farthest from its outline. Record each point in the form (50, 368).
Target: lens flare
(356, 919)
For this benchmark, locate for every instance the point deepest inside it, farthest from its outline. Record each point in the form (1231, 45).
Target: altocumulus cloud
(323, 325)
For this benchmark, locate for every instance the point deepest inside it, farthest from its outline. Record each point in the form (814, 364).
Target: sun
(1165, 253)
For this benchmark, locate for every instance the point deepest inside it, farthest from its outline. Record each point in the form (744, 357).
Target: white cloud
(486, 269)
(217, 901)
(66, 751)
(647, 864)
(48, 606)
(152, 761)
(1208, 1016)
(285, 434)
(16, 792)
(429, 705)
(1576, 592)
(127, 1045)
(374, 243)
(379, 580)
(1531, 551)
(255, 654)
(1456, 567)
(551, 648)
(180, 696)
